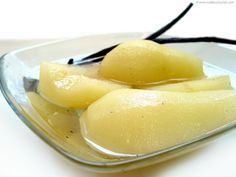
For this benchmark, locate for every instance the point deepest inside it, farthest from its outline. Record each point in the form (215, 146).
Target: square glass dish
(16, 65)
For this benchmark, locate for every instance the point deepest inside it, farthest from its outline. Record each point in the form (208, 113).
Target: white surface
(23, 154)
(54, 19)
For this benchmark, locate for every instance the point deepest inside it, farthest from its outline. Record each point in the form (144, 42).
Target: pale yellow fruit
(212, 83)
(141, 61)
(131, 121)
(65, 86)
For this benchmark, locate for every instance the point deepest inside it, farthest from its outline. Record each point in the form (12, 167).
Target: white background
(63, 18)
(23, 154)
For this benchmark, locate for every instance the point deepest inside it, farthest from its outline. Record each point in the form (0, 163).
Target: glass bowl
(16, 65)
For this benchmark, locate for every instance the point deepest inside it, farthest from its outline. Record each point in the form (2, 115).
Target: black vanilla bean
(90, 60)
(70, 61)
(195, 39)
(98, 54)
(150, 37)
(169, 25)
(173, 40)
